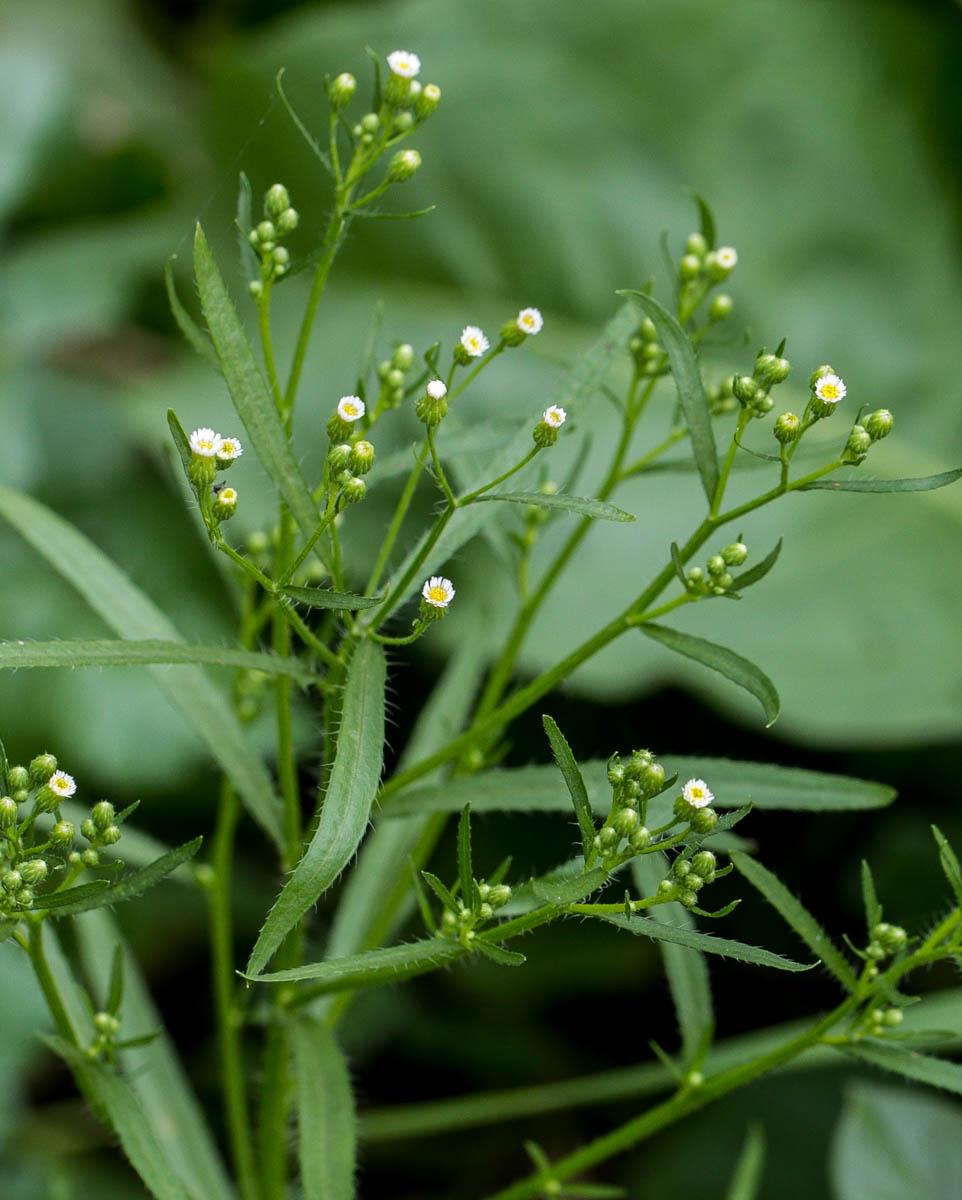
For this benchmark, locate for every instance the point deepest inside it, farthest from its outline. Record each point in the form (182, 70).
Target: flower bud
(432, 407)
(276, 200)
(403, 121)
(877, 425)
(735, 554)
(266, 235)
(105, 1022)
(403, 357)
(19, 778)
(403, 165)
(858, 445)
(680, 868)
(90, 858)
(499, 895)
(47, 801)
(744, 388)
(721, 583)
(42, 767)
(362, 457)
(62, 833)
(225, 504)
(342, 90)
(370, 122)
(626, 822)
(652, 778)
(703, 820)
(111, 835)
(102, 814)
(24, 898)
(770, 370)
(787, 426)
(696, 244)
(690, 267)
(339, 456)
(616, 772)
(891, 938)
(721, 263)
(88, 829)
(255, 288)
(427, 101)
(280, 260)
(8, 812)
(716, 565)
(11, 881)
(288, 220)
(892, 1016)
(353, 489)
(762, 404)
(703, 863)
(720, 307)
(640, 839)
(648, 330)
(631, 794)
(33, 872)
(688, 897)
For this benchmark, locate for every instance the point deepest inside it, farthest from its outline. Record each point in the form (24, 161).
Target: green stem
(744, 416)
(275, 1103)
(439, 471)
(307, 637)
(48, 985)
(499, 349)
(395, 527)
(252, 571)
(267, 344)
(396, 594)
(471, 496)
(332, 241)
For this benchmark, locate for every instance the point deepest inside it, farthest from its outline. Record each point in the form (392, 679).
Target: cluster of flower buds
(349, 456)
(754, 391)
(392, 373)
(689, 876)
(646, 350)
(886, 940)
(699, 270)
(716, 578)
(633, 783)
(279, 220)
(463, 923)
(210, 453)
(404, 104)
(873, 428)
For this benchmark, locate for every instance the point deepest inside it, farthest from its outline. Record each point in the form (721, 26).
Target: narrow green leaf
(646, 927)
(679, 565)
(950, 863)
(74, 895)
(299, 125)
(130, 886)
(691, 390)
(759, 571)
(597, 509)
(797, 916)
(719, 658)
(926, 483)
(569, 891)
(427, 916)
(924, 1068)
(465, 873)
(249, 392)
(185, 322)
(873, 910)
(327, 1133)
(115, 993)
(128, 611)
(322, 598)
(4, 767)
(346, 806)
(442, 893)
(498, 954)
(747, 1181)
(244, 222)
(370, 968)
(374, 214)
(120, 652)
(575, 784)
(706, 218)
(126, 1118)
(181, 442)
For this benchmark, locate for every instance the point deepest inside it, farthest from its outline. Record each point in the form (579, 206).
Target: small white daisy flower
(696, 793)
(403, 63)
(62, 784)
(529, 320)
(726, 257)
(437, 389)
(554, 416)
(438, 591)
(473, 341)
(205, 443)
(830, 389)
(227, 495)
(230, 449)
(350, 408)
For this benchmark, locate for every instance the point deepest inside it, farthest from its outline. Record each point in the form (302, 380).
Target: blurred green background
(826, 137)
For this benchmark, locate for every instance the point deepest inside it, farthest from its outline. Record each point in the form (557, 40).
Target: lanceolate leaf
(747, 1180)
(128, 611)
(707, 220)
(950, 863)
(325, 1112)
(575, 784)
(759, 571)
(924, 1068)
(570, 891)
(181, 441)
(873, 910)
(143, 652)
(576, 504)
(798, 916)
(691, 390)
(370, 968)
(249, 392)
(465, 871)
(82, 899)
(322, 598)
(185, 322)
(498, 954)
(926, 483)
(645, 927)
(719, 658)
(346, 806)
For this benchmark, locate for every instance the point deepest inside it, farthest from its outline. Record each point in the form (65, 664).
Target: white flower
(473, 341)
(228, 496)
(62, 784)
(529, 320)
(554, 416)
(696, 793)
(830, 389)
(437, 389)
(350, 408)
(205, 443)
(726, 257)
(438, 591)
(230, 449)
(404, 63)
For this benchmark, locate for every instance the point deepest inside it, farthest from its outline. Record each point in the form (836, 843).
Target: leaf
(797, 916)
(691, 390)
(759, 571)
(370, 968)
(327, 1126)
(465, 873)
(442, 893)
(133, 615)
(249, 392)
(923, 1068)
(185, 322)
(597, 509)
(300, 126)
(126, 1118)
(115, 993)
(4, 767)
(120, 652)
(873, 910)
(322, 598)
(575, 784)
(182, 443)
(244, 222)
(346, 806)
(679, 565)
(719, 658)
(134, 884)
(705, 215)
(747, 1180)
(950, 863)
(926, 483)
(498, 954)
(569, 890)
(646, 927)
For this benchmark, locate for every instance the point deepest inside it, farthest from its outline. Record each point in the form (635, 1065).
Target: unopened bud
(735, 554)
(640, 839)
(716, 565)
(499, 895)
(703, 863)
(102, 814)
(616, 773)
(690, 267)
(276, 200)
(362, 457)
(744, 388)
(42, 767)
(370, 122)
(720, 307)
(34, 872)
(403, 357)
(19, 778)
(342, 90)
(62, 833)
(403, 121)
(90, 858)
(403, 165)
(111, 835)
(696, 244)
(787, 426)
(703, 820)
(770, 370)
(879, 424)
(858, 445)
(427, 101)
(353, 489)
(8, 812)
(652, 778)
(11, 881)
(288, 220)
(626, 822)
(339, 456)
(88, 829)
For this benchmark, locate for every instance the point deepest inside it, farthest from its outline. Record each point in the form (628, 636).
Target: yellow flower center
(438, 595)
(829, 391)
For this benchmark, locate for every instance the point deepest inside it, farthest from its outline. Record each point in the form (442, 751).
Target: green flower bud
(275, 201)
(62, 833)
(626, 822)
(255, 288)
(47, 800)
(762, 404)
(370, 122)
(288, 221)
(722, 582)
(225, 504)
(397, 396)
(892, 1016)
(680, 868)
(858, 445)
(735, 554)
(19, 778)
(353, 489)
(403, 357)
(787, 426)
(342, 90)
(403, 165)
(694, 882)
(648, 330)
(653, 778)
(403, 121)
(485, 912)
(640, 839)
(41, 768)
(432, 407)
(339, 456)
(90, 858)
(608, 838)
(720, 263)
(110, 836)
(770, 370)
(703, 863)
(362, 457)
(820, 373)
(744, 389)
(24, 898)
(427, 101)
(688, 897)
(631, 794)
(638, 763)
(280, 260)
(716, 565)
(11, 881)
(665, 888)
(499, 895)
(266, 235)
(33, 872)
(891, 938)
(877, 425)
(616, 773)
(102, 814)
(696, 244)
(8, 812)
(690, 267)
(720, 307)
(696, 575)
(88, 829)
(544, 435)
(703, 820)
(106, 1023)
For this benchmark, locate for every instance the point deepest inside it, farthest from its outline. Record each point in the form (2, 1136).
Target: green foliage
(325, 1111)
